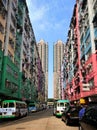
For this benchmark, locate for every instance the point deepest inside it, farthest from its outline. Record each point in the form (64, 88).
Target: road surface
(43, 120)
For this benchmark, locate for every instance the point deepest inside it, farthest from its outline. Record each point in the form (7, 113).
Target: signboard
(82, 101)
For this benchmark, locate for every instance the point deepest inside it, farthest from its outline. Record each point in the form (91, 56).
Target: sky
(50, 21)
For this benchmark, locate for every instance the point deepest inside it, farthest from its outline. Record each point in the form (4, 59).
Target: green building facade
(18, 64)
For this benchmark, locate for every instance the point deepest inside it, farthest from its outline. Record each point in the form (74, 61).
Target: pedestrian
(82, 111)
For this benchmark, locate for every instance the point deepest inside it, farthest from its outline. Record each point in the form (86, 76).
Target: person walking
(82, 111)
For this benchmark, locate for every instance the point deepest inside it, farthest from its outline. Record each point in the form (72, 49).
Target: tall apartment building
(58, 52)
(43, 53)
(80, 70)
(19, 58)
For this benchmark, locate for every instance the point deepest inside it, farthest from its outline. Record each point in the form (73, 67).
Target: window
(61, 104)
(94, 115)
(5, 105)
(67, 104)
(11, 104)
(91, 82)
(89, 114)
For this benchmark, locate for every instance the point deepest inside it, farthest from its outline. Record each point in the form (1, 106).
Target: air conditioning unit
(86, 87)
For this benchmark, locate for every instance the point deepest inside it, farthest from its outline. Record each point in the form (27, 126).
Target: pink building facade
(80, 58)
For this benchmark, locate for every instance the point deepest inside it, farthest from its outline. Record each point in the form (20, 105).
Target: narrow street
(43, 120)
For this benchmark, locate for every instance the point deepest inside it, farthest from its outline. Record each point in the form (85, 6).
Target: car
(89, 120)
(71, 115)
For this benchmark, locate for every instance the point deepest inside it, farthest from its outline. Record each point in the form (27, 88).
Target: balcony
(1, 28)
(12, 30)
(95, 4)
(1, 45)
(12, 87)
(95, 20)
(20, 7)
(19, 26)
(4, 3)
(84, 3)
(3, 8)
(11, 42)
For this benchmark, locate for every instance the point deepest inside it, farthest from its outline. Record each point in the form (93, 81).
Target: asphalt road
(43, 120)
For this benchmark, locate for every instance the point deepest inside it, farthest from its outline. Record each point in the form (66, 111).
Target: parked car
(71, 115)
(89, 120)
